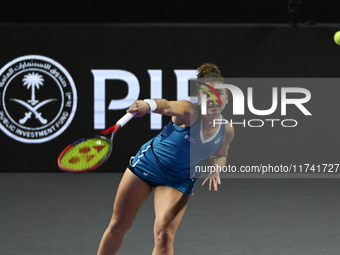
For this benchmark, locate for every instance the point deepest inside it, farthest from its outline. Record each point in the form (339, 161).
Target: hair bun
(208, 71)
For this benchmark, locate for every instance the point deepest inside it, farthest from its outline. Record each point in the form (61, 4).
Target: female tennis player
(164, 164)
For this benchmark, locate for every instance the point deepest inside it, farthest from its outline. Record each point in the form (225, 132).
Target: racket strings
(85, 155)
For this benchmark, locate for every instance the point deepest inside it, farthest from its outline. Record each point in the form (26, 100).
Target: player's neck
(209, 121)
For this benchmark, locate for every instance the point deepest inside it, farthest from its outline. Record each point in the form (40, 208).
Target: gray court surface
(61, 213)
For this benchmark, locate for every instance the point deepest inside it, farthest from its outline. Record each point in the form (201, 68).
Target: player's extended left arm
(221, 154)
(219, 159)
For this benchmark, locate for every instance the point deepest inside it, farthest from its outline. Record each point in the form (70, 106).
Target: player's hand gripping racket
(87, 154)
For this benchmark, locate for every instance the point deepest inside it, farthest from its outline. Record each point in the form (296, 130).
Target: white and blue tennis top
(172, 155)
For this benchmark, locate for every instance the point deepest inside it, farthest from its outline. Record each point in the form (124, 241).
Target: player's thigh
(131, 194)
(170, 205)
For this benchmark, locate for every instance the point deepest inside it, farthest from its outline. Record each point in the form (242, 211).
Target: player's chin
(214, 110)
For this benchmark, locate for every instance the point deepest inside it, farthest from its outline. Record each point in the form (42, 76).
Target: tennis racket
(87, 154)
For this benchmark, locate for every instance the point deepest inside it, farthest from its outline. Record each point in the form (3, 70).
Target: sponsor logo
(289, 94)
(102, 98)
(190, 139)
(38, 99)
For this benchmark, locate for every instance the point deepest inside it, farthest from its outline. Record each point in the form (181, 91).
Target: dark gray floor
(61, 214)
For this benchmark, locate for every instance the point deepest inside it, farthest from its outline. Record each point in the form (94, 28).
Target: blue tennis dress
(170, 157)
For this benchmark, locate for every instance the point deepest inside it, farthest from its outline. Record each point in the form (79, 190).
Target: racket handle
(125, 119)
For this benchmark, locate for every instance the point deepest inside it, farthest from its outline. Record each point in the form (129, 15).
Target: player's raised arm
(182, 112)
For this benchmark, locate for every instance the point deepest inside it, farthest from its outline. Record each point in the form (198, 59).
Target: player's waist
(175, 167)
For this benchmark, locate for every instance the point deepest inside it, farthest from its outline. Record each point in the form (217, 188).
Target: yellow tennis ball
(337, 38)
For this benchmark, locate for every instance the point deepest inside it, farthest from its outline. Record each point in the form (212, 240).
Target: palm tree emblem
(33, 81)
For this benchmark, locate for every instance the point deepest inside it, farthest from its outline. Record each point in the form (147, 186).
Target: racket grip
(125, 119)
